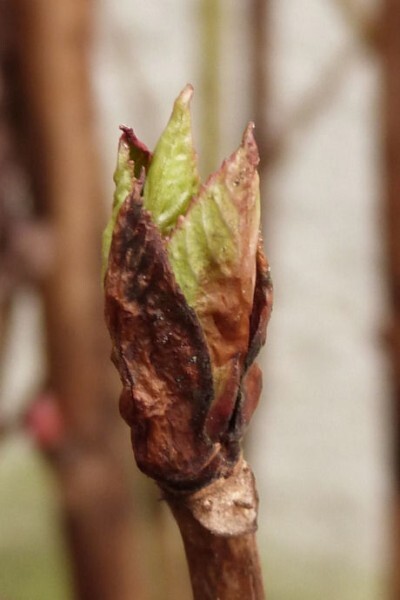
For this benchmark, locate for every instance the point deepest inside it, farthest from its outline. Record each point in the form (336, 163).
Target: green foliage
(172, 179)
(123, 179)
(211, 239)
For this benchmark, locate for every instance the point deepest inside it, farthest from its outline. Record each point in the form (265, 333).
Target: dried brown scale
(182, 435)
(262, 304)
(138, 151)
(246, 403)
(221, 409)
(162, 357)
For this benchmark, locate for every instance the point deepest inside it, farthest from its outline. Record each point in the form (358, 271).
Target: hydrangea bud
(188, 297)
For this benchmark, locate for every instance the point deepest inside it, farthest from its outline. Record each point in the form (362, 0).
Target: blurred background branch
(57, 142)
(366, 27)
(211, 25)
(391, 212)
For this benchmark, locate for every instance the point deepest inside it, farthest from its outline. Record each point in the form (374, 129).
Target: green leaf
(173, 178)
(123, 179)
(213, 253)
(220, 229)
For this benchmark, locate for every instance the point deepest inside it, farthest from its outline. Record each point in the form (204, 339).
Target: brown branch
(391, 211)
(258, 34)
(218, 525)
(9, 426)
(366, 28)
(57, 135)
(391, 141)
(259, 66)
(7, 187)
(210, 34)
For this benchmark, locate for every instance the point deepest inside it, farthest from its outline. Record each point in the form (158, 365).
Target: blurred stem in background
(259, 13)
(259, 73)
(391, 139)
(211, 30)
(57, 137)
(7, 283)
(8, 175)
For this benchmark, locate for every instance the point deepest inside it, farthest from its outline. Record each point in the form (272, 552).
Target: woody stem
(217, 527)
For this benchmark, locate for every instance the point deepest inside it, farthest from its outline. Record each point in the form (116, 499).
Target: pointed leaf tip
(186, 94)
(250, 145)
(173, 178)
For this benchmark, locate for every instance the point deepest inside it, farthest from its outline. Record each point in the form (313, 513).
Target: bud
(188, 297)
(44, 422)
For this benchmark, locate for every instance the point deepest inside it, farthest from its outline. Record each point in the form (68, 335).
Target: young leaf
(133, 157)
(212, 252)
(172, 178)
